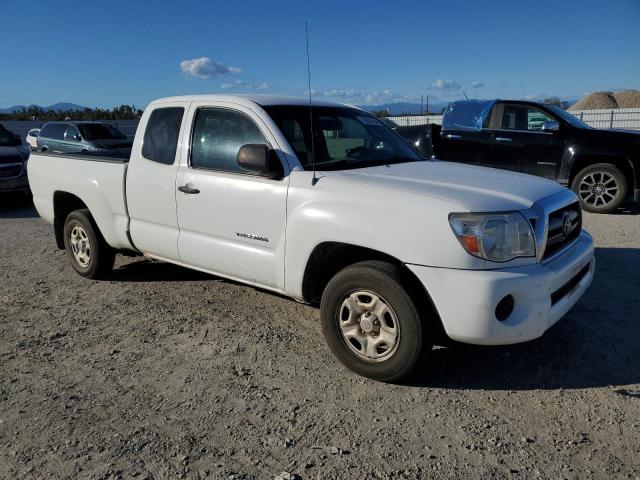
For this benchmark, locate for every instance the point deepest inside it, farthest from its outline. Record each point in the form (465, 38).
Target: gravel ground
(163, 373)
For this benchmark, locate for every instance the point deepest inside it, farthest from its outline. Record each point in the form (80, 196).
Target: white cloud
(357, 95)
(204, 67)
(245, 85)
(477, 84)
(442, 84)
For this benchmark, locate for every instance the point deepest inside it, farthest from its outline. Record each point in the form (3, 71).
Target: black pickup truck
(601, 166)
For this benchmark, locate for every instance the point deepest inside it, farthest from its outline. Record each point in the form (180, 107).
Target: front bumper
(13, 182)
(466, 300)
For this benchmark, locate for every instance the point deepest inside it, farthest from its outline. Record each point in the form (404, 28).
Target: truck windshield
(567, 117)
(343, 137)
(7, 139)
(100, 131)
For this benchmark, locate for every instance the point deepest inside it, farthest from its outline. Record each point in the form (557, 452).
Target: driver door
(520, 144)
(231, 222)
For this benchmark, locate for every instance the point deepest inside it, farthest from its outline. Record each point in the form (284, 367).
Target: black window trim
(184, 116)
(219, 170)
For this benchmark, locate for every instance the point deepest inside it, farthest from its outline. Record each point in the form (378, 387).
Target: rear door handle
(188, 189)
(503, 139)
(453, 136)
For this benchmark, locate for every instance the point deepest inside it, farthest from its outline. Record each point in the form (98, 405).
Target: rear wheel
(370, 322)
(88, 252)
(601, 187)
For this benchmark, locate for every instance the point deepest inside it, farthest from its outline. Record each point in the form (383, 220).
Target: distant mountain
(55, 106)
(398, 108)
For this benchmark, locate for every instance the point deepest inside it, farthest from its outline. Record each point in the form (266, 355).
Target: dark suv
(80, 137)
(14, 154)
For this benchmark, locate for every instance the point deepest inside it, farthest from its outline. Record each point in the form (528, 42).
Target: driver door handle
(503, 139)
(188, 189)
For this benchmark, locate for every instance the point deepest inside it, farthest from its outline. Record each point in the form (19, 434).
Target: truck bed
(95, 179)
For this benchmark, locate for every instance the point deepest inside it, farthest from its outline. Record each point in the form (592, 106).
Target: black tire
(100, 256)
(384, 281)
(588, 182)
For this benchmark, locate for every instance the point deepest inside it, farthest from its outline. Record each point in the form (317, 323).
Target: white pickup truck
(400, 252)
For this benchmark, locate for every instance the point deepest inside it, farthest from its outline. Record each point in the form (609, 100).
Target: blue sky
(114, 51)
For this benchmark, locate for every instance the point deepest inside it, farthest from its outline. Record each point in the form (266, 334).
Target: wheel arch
(328, 258)
(63, 204)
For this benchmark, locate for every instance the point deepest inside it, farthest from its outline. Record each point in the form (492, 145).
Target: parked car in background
(80, 137)
(13, 161)
(601, 166)
(32, 138)
(396, 250)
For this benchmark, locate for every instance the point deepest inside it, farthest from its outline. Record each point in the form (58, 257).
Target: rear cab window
(161, 135)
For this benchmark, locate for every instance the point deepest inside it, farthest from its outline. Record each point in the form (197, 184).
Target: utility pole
(421, 104)
(427, 103)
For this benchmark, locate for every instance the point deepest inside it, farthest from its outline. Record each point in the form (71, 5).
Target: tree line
(35, 113)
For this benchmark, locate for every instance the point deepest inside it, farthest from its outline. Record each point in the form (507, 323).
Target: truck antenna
(465, 94)
(314, 180)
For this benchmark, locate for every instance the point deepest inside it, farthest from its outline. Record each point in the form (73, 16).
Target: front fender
(407, 226)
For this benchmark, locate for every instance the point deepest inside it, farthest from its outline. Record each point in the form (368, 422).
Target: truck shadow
(145, 270)
(597, 344)
(17, 205)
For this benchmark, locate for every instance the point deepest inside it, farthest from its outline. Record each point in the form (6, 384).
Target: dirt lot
(166, 373)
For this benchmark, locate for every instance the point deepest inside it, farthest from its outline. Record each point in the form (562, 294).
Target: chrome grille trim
(538, 215)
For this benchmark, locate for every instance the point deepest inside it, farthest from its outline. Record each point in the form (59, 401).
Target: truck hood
(478, 189)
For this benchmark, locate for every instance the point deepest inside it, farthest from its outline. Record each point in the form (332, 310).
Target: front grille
(10, 171)
(568, 287)
(565, 225)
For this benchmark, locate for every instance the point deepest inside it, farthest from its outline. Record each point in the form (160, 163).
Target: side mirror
(78, 137)
(261, 160)
(550, 126)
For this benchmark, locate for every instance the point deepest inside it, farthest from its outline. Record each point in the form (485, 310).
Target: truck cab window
(523, 117)
(218, 135)
(161, 136)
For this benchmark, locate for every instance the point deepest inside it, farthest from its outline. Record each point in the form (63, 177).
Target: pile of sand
(596, 100)
(628, 99)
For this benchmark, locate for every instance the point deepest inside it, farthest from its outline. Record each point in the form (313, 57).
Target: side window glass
(523, 117)
(536, 118)
(45, 131)
(343, 138)
(54, 131)
(161, 135)
(71, 133)
(513, 118)
(218, 135)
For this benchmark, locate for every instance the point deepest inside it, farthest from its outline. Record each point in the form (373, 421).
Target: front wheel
(601, 187)
(88, 252)
(370, 322)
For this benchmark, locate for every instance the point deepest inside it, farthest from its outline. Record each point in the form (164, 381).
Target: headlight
(498, 237)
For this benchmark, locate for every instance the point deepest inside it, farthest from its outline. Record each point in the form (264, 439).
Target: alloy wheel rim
(598, 189)
(369, 326)
(80, 245)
